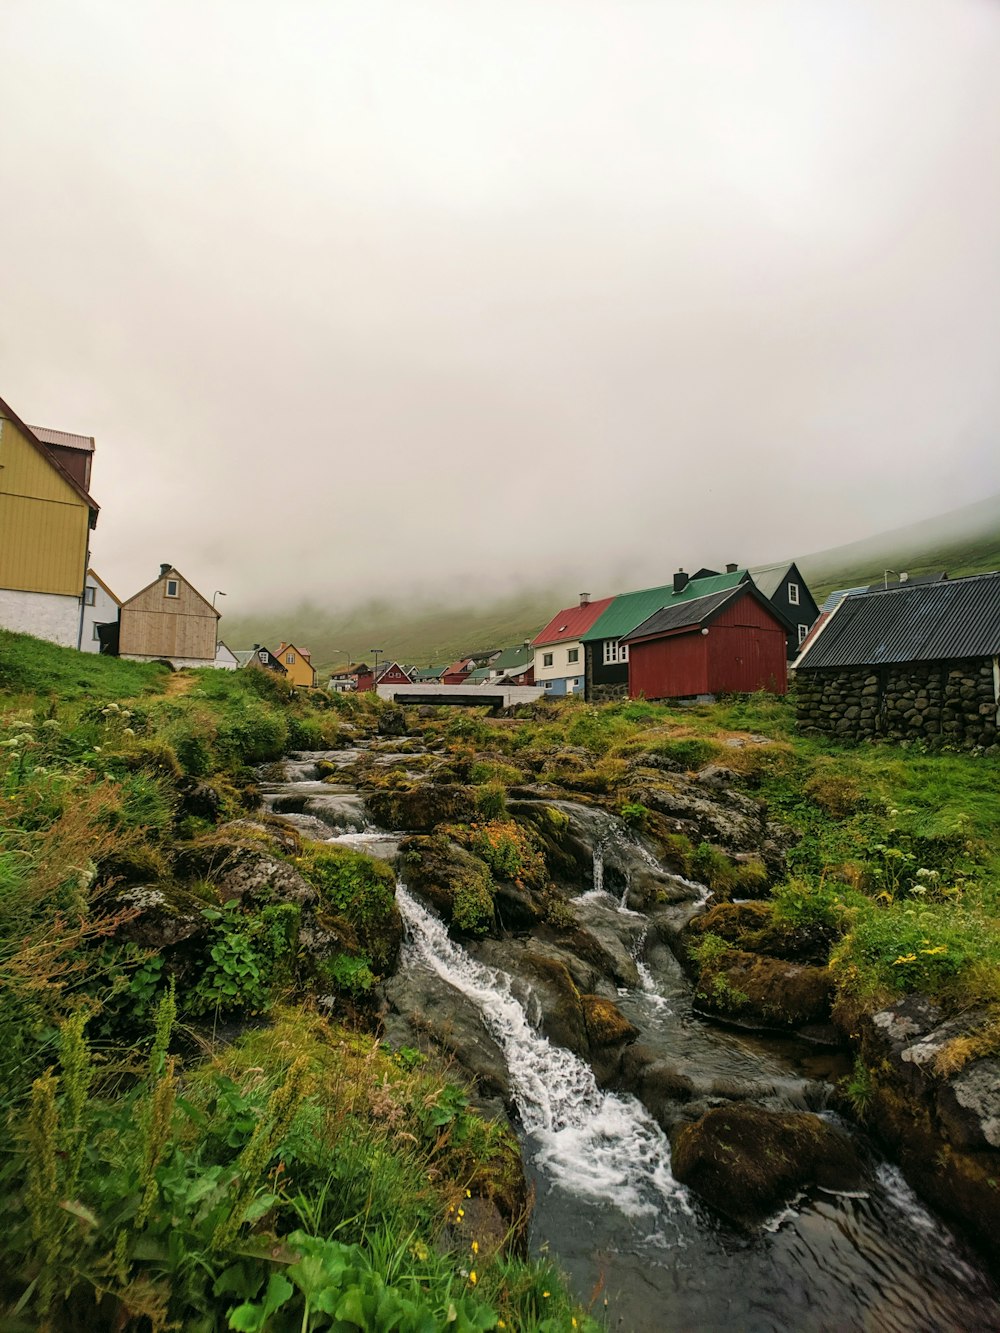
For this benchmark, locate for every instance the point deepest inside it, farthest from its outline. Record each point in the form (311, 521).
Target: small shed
(911, 661)
(458, 672)
(732, 641)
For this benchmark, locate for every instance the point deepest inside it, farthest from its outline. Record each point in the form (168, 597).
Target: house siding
(44, 523)
(182, 628)
(675, 667)
(42, 614)
(950, 702)
(103, 612)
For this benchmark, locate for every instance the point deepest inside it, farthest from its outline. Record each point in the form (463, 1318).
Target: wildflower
(938, 948)
(472, 1277)
(475, 1247)
(468, 1194)
(545, 1295)
(905, 958)
(419, 1251)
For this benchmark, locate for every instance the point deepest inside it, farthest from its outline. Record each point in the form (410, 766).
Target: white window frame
(793, 594)
(803, 631)
(615, 652)
(89, 596)
(289, 659)
(547, 659)
(176, 584)
(572, 655)
(95, 634)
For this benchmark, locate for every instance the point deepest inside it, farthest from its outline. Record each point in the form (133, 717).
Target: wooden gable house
(169, 620)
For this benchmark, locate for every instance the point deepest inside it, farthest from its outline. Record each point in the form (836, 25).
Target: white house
(225, 658)
(558, 649)
(100, 607)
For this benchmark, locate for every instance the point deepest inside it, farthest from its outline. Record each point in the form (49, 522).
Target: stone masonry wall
(951, 702)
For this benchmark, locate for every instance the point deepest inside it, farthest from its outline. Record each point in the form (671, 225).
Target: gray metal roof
(922, 623)
(683, 614)
(769, 578)
(837, 597)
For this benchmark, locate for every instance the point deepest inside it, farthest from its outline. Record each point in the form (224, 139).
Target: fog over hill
(427, 631)
(444, 302)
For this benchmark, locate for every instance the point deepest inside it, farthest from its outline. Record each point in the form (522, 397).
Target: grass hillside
(964, 541)
(421, 636)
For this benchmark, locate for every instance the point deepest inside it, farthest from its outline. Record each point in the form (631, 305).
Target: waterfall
(599, 867)
(600, 1145)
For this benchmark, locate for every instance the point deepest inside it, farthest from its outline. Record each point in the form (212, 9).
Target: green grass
(33, 667)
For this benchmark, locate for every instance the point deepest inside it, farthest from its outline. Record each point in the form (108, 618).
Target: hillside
(963, 541)
(419, 635)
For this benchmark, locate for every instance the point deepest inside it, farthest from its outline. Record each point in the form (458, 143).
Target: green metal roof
(630, 609)
(479, 675)
(512, 657)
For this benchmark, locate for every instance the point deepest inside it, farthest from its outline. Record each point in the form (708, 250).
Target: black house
(787, 591)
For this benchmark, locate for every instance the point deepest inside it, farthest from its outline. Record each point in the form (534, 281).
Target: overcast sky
(381, 297)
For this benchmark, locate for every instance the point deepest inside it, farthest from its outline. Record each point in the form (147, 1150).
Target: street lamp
(376, 652)
(218, 593)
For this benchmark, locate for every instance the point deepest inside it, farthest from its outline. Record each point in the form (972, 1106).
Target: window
(88, 596)
(803, 631)
(546, 659)
(172, 588)
(615, 651)
(793, 594)
(289, 659)
(262, 656)
(572, 654)
(96, 633)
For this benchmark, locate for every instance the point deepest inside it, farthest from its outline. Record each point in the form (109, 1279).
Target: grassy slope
(439, 634)
(419, 636)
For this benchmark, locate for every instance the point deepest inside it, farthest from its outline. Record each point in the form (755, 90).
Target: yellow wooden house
(169, 620)
(299, 670)
(46, 516)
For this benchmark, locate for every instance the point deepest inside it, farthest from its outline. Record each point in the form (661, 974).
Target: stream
(635, 1243)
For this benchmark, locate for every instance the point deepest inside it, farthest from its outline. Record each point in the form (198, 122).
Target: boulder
(457, 884)
(160, 916)
(256, 878)
(751, 926)
(969, 1106)
(421, 809)
(745, 1162)
(437, 1017)
(608, 1032)
(392, 721)
(759, 991)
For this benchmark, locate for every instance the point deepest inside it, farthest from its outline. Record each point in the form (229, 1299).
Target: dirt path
(179, 683)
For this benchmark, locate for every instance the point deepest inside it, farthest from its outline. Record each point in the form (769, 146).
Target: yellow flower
(475, 1247)
(545, 1295)
(938, 948)
(905, 958)
(468, 1194)
(472, 1277)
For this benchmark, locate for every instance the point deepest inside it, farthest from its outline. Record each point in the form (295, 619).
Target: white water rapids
(600, 1145)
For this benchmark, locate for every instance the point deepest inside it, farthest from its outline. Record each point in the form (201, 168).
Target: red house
(390, 673)
(727, 642)
(458, 672)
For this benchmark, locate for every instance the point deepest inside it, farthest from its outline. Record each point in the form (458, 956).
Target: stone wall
(951, 702)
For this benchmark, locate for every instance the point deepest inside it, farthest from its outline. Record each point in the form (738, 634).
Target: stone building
(907, 662)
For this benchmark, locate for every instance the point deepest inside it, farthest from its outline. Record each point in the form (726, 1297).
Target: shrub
(508, 850)
(839, 796)
(491, 802)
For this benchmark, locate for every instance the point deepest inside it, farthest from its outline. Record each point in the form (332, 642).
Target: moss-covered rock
(763, 991)
(606, 1024)
(457, 884)
(745, 1162)
(754, 928)
(363, 892)
(422, 808)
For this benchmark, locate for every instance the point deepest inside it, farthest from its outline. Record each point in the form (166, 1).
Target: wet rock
(608, 1033)
(752, 927)
(391, 721)
(162, 916)
(736, 824)
(969, 1106)
(456, 884)
(421, 809)
(745, 1162)
(438, 1018)
(601, 947)
(258, 879)
(199, 799)
(765, 992)
(516, 907)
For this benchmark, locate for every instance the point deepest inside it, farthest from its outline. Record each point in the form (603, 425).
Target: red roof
(572, 622)
(460, 667)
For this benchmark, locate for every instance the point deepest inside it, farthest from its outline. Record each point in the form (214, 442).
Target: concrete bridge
(497, 697)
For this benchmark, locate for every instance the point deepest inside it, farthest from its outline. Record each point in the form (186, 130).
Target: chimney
(164, 570)
(256, 647)
(680, 581)
(731, 569)
(585, 599)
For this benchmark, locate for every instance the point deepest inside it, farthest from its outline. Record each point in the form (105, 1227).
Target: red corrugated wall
(669, 668)
(744, 650)
(747, 650)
